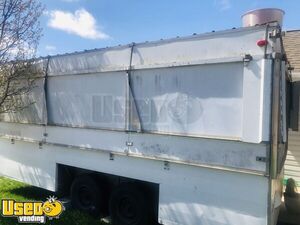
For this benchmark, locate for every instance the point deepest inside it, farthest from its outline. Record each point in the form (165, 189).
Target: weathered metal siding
(292, 164)
(292, 48)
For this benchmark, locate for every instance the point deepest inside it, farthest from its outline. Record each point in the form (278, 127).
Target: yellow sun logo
(52, 207)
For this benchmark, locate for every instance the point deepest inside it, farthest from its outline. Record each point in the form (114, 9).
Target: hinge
(247, 58)
(277, 55)
(275, 34)
(126, 151)
(269, 56)
(111, 156)
(166, 165)
(261, 159)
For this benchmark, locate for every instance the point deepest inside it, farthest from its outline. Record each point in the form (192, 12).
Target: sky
(77, 25)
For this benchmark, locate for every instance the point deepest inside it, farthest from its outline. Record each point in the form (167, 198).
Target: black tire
(129, 206)
(86, 195)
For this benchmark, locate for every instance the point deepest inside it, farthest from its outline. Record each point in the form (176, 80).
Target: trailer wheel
(128, 206)
(86, 195)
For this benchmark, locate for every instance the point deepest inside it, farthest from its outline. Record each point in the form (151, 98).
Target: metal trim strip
(129, 154)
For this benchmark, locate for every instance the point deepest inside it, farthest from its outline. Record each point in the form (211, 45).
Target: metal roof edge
(293, 30)
(202, 35)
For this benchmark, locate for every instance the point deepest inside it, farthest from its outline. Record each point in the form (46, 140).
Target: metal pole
(275, 115)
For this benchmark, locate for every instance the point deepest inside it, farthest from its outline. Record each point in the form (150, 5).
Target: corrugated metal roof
(291, 42)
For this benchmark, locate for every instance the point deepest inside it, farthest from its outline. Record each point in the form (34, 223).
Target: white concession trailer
(184, 131)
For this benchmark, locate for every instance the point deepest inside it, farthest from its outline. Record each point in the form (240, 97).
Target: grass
(21, 192)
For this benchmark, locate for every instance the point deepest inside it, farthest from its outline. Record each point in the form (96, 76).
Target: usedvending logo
(32, 212)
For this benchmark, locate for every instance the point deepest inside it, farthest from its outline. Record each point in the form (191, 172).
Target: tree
(20, 32)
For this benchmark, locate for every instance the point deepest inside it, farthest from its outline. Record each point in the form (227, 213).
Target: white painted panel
(26, 162)
(111, 59)
(190, 50)
(204, 152)
(110, 141)
(193, 197)
(35, 107)
(94, 100)
(204, 100)
(252, 106)
(199, 48)
(28, 132)
(229, 154)
(257, 101)
(265, 99)
(188, 195)
(188, 150)
(219, 100)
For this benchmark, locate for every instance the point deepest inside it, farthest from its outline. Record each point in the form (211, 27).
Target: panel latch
(261, 159)
(247, 59)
